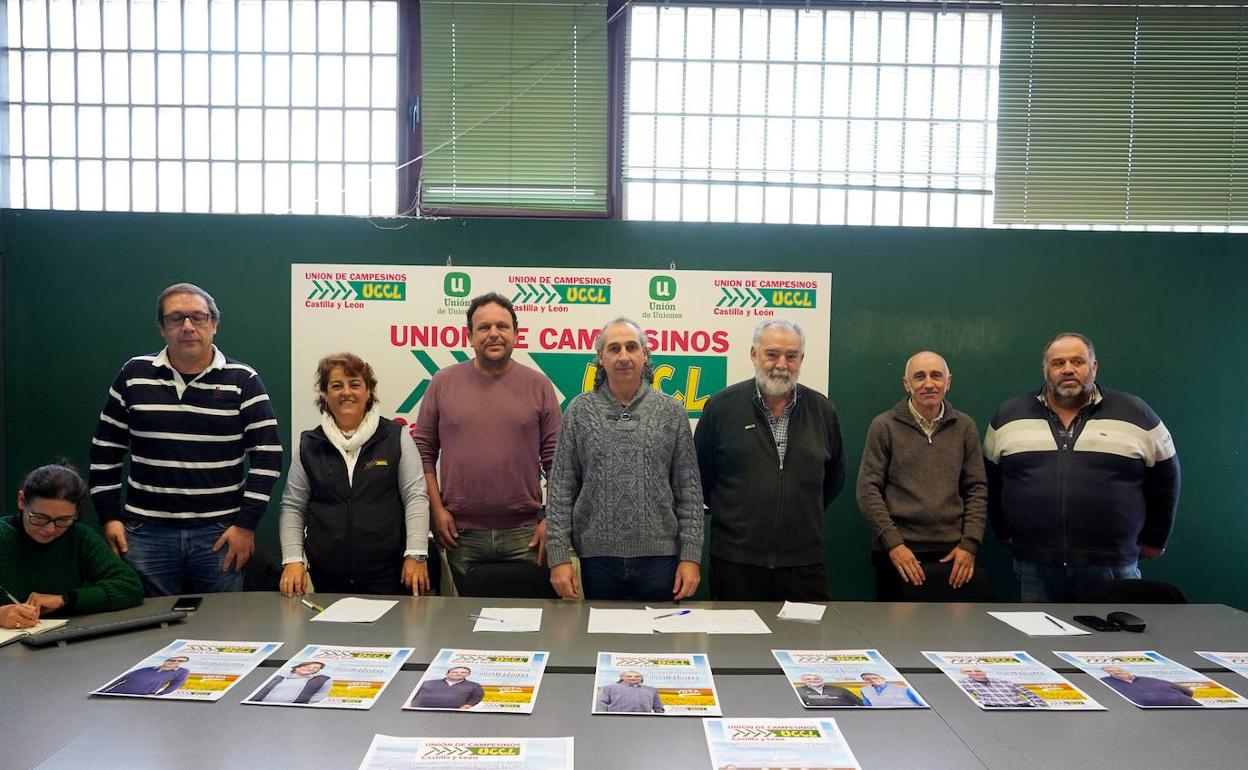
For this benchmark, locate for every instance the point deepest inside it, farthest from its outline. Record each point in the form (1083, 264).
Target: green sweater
(78, 565)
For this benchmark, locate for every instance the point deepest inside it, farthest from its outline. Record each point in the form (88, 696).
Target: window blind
(513, 106)
(1132, 113)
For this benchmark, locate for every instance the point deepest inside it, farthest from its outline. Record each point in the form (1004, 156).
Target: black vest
(356, 532)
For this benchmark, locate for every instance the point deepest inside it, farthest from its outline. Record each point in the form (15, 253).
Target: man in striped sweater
(204, 455)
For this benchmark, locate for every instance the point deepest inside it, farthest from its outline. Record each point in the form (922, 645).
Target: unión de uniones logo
(457, 285)
(662, 288)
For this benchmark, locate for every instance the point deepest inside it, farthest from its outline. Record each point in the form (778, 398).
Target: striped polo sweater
(1087, 496)
(187, 443)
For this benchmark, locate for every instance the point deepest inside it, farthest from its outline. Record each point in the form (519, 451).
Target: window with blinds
(1130, 114)
(513, 108)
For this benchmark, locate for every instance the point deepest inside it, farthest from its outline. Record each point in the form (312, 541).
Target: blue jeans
(639, 578)
(174, 560)
(1045, 582)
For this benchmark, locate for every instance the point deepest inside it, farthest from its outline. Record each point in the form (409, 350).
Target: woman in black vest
(355, 513)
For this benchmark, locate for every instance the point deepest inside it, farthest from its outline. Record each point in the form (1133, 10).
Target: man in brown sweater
(921, 486)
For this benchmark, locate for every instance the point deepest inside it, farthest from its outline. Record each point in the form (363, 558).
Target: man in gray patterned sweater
(624, 490)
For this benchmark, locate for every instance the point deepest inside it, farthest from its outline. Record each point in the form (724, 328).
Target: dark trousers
(888, 584)
(735, 582)
(383, 579)
(639, 578)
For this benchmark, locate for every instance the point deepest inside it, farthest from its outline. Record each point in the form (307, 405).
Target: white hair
(783, 323)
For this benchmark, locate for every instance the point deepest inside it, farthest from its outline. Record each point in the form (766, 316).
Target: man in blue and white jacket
(1083, 481)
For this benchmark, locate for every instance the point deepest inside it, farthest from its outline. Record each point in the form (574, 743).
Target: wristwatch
(420, 558)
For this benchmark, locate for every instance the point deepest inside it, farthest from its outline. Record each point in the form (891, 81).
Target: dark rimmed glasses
(174, 320)
(43, 520)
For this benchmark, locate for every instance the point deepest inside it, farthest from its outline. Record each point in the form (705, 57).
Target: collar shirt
(998, 693)
(1067, 434)
(779, 425)
(927, 426)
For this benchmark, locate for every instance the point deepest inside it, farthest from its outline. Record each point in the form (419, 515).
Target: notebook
(13, 634)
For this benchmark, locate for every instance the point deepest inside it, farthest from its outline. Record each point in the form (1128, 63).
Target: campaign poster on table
(190, 669)
(410, 321)
(655, 684)
(498, 681)
(329, 676)
(846, 679)
(388, 752)
(1150, 680)
(1003, 680)
(744, 744)
(1235, 661)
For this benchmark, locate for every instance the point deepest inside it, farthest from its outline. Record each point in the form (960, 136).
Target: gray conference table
(50, 722)
(1122, 736)
(901, 630)
(65, 728)
(430, 623)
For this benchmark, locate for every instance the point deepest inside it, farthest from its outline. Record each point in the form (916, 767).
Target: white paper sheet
(1039, 624)
(737, 622)
(603, 621)
(807, 613)
(517, 619)
(355, 610)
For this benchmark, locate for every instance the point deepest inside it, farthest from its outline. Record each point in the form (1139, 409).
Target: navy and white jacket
(187, 443)
(1084, 497)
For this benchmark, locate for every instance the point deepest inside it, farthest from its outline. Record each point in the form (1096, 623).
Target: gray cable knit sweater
(624, 486)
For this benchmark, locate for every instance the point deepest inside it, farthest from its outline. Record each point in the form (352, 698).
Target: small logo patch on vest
(371, 464)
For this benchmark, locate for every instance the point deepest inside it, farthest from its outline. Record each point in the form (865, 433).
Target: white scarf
(350, 447)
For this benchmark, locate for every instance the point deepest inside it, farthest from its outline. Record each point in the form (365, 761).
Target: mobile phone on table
(187, 603)
(1097, 624)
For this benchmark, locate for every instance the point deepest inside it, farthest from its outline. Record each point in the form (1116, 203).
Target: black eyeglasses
(174, 320)
(41, 520)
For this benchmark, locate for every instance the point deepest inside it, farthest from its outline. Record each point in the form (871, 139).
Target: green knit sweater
(78, 565)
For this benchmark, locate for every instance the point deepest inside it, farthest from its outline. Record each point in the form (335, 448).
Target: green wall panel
(1165, 310)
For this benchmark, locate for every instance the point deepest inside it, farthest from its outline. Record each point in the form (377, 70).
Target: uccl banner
(409, 322)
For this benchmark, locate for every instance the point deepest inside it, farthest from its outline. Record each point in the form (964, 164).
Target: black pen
(1049, 618)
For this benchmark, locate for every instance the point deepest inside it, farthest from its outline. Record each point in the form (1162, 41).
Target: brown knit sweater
(916, 491)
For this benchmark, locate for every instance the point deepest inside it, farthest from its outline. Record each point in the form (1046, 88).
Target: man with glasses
(160, 679)
(204, 455)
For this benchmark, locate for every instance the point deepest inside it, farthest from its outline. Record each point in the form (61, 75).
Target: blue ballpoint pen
(673, 614)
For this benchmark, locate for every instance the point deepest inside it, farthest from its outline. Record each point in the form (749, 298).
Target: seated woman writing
(355, 513)
(57, 564)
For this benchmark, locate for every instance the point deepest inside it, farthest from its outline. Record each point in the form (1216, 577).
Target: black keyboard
(68, 633)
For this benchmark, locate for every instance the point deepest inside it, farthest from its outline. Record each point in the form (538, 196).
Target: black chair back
(518, 580)
(1136, 592)
(936, 586)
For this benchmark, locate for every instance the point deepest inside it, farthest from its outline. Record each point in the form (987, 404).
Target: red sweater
(492, 435)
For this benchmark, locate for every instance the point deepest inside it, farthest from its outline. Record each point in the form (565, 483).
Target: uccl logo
(662, 288)
(457, 284)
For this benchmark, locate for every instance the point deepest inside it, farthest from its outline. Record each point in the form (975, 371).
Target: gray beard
(772, 387)
(1076, 399)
